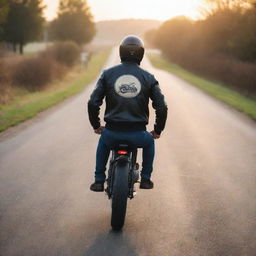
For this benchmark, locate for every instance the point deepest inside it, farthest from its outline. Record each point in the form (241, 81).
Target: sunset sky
(149, 9)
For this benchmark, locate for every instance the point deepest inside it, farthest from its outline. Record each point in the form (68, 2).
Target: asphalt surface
(203, 203)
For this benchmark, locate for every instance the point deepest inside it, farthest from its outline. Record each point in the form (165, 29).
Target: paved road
(204, 201)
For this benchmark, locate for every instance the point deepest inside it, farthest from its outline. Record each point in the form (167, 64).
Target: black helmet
(131, 49)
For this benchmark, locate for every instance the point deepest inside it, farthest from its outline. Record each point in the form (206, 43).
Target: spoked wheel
(119, 196)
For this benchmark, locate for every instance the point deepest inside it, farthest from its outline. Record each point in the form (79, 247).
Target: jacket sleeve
(95, 102)
(159, 105)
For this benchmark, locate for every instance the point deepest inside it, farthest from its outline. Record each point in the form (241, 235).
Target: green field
(35, 47)
(231, 97)
(26, 105)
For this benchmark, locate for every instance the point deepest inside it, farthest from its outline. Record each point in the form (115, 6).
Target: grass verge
(26, 105)
(231, 97)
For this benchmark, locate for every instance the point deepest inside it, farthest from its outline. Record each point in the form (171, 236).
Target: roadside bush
(3, 53)
(5, 93)
(33, 73)
(5, 87)
(236, 74)
(66, 53)
(4, 74)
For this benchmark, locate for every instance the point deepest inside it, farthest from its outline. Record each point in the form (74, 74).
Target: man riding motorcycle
(127, 89)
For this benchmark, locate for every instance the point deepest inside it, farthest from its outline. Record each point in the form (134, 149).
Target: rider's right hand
(99, 130)
(155, 135)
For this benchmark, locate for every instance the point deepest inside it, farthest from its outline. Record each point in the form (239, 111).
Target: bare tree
(230, 4)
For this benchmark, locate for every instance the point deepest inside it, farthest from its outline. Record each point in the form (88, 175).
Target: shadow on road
(111, 244)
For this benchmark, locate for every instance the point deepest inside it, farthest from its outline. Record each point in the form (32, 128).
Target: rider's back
(127, 88)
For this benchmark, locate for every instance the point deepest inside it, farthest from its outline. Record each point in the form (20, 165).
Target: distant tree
(252, 3)
(220, 5)
(150, 37)
(242, 43)
(230, 31)
(74, 22)
(4, 8)
(24, 22)
(173, 36)
(226, 4)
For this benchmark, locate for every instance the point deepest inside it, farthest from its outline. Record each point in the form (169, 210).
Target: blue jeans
(140, 139)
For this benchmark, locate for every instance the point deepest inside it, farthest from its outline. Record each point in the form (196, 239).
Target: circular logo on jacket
(127, 86)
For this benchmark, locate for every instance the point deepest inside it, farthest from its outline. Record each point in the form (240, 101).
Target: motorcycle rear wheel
(119, 196)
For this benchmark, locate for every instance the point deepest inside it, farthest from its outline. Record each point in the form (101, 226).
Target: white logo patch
(127, 86)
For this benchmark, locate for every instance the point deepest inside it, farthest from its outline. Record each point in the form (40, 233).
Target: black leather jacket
(127, 89)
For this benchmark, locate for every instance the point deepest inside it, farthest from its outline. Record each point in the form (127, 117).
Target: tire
(119, 196)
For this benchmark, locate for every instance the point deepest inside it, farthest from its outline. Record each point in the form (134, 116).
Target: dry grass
(36, 72)
(233, 73)
(5, 87)
(65, 53)
(33, 73)
(26, 105)
(217, 90)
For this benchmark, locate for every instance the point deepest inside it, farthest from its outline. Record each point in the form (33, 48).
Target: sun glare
(163, 9)
(149, 9)
(144, 9)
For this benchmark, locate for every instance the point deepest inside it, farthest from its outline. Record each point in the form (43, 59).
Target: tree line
(221, 46)
(228, 29)
(22, 21)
